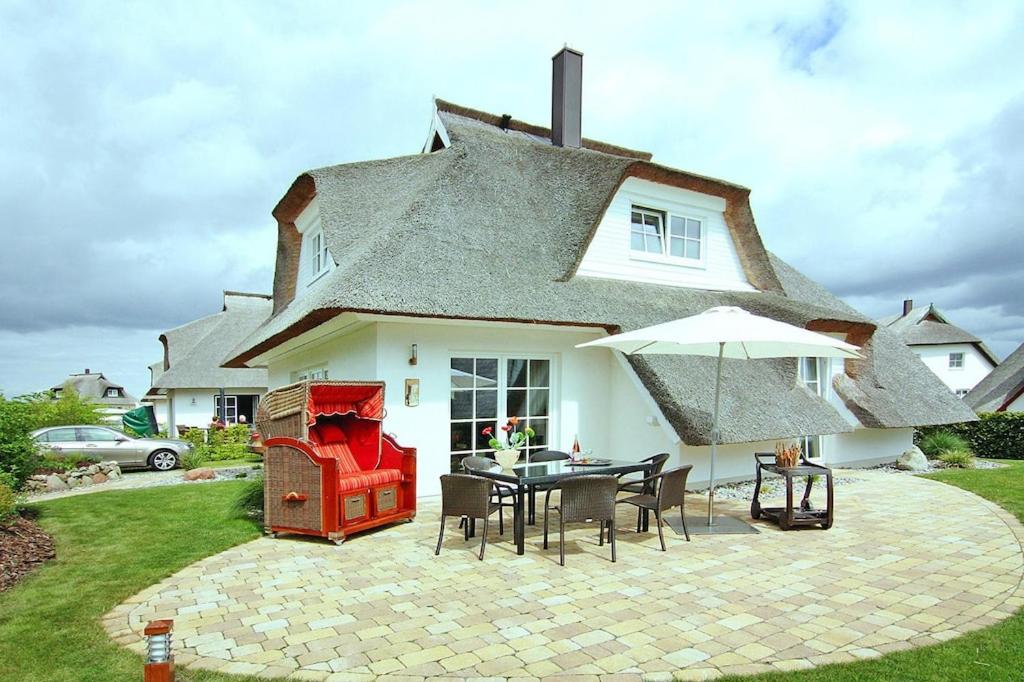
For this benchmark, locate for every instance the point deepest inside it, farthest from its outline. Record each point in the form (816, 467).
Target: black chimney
(908, 305)
(566, 98)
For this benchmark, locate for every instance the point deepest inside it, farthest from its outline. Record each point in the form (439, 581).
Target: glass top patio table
(551, 472)
(523, 476)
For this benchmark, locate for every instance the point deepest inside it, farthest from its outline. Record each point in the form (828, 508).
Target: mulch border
(24, 546)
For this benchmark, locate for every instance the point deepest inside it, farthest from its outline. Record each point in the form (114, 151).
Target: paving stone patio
(909, 562)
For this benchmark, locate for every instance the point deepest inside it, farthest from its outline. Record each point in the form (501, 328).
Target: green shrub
(194, 458)
(249, 503)
(8, 504)
(937, 442)
(51, 463)
(995, 434)
(957, 458)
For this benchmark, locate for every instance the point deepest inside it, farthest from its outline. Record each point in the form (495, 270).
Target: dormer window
(683, 239)
(956, 360)
(112, 393)
(317, 254)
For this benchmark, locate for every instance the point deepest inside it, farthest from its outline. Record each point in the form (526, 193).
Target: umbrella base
(724, 525)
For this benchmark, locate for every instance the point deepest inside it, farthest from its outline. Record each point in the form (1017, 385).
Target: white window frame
(317, 252)
(230, 407)
(312, 373)
(819, 387)
(962, 392)
(666, 216)
(501, 416)
(112, 393)
(961, 357)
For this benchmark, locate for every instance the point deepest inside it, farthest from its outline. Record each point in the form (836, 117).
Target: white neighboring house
(464, 276)
(189, 383)
(1003, 389)
(95, 387)
(956, 356)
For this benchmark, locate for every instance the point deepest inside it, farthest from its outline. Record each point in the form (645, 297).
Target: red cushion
(341, 452)
(367, 479)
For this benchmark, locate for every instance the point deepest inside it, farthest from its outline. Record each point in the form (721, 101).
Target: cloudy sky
(143, 145)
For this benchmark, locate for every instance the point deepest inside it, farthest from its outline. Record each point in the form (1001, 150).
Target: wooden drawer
(355, 506)
(385, 500)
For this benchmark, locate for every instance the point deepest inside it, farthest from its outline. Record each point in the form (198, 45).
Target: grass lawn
(109, 546)
(995, 653)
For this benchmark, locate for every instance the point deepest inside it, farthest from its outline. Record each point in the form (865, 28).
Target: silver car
(110, 445)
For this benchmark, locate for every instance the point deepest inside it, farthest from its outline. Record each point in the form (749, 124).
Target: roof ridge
(534, 129)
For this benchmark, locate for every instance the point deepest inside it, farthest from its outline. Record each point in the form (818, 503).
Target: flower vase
(506, 458)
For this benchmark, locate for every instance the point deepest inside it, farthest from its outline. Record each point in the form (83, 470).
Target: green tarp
(141, 420)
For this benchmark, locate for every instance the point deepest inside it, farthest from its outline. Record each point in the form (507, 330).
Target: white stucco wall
(976, 366)
(196, 407)
(594, 396)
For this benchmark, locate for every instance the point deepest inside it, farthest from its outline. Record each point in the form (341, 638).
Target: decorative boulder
(912, 460)
(85, 480)
(54, 483)
(200, 474)
(99, 478)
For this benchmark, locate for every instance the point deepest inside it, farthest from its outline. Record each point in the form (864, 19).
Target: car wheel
(163, 460)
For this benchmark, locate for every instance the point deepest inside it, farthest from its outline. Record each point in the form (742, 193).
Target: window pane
(636, 242)
(462, 373)
(539, 402)
(462, 436)
(677, 226)
(60, 436)
(676, 247)
(486, 372)
(692, 249)
(462, 404)
(692, 228)
(515, 403)
(539, 373)
(540, 426)
(487, 404)
(517, 373)
(99, 435)
(652, 244)
(636, 218)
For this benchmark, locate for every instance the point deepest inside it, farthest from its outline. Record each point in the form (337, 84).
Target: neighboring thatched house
(1003, 389)
(956, 356)
(189, 384)
(464, 277)
(95, 387)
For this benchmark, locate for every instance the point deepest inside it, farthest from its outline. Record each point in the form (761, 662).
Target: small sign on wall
(412, 392)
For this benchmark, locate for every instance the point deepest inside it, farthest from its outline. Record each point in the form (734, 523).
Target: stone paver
(908, 563)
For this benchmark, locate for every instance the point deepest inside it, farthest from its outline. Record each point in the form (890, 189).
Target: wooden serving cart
(329, 469)
(792, 516)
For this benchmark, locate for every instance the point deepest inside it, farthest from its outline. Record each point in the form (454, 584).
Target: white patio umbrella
(726, 332)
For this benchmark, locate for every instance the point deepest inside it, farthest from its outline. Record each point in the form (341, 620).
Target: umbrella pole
(715, 436)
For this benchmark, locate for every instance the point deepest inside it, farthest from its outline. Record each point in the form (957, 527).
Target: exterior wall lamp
(159, 658)
(414, 356)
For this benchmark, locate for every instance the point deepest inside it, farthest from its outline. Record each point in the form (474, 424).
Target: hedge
(995, 434)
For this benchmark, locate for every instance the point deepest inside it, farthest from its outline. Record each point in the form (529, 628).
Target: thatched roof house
(190, 376)
(95, 387)
(498, 224)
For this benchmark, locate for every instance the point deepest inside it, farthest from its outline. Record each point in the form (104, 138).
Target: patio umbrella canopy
(726, 332)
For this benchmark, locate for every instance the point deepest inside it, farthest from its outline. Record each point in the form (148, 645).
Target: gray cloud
(144, 146)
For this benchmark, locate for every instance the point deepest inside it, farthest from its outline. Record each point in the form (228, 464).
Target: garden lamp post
(159, 658)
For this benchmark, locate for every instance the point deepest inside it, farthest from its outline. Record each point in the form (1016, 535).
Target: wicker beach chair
(583, 498)
(329, 469)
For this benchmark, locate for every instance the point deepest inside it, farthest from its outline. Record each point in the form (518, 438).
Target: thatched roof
(928, 326)
(1002, 386)
(194, 352)
(93, 386)
(427, 236)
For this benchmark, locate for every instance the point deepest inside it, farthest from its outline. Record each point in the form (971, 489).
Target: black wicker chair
(669, 492)
(635, 485)
(467, 496)
(541, 456)
(503, 495)
(583, 498)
